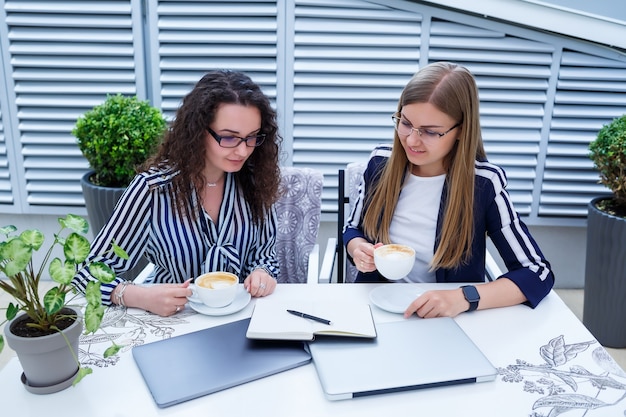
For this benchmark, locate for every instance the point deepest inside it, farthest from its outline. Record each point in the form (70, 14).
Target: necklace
(213, 184)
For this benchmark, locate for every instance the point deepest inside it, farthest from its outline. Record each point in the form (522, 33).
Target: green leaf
(75, 223)
(17, 255)
(93, 295)
(62, 272)
(76, 248)
(1, 342)
(119, 251)
(54, 300)
(102, 272)
(7, 230)
(33, 238)
(12, 311)
(83, 371)
(112, 350)
(93, 317)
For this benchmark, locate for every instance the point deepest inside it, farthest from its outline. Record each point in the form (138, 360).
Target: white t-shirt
(415, 222)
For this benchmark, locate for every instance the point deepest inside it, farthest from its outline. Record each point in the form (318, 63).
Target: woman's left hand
(450, 303)
(438, 303)
(259, 283)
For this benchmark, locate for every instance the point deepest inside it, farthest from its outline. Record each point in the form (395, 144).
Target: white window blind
(541, 102)
(334, 70)
(351, 61)
(65, 57)
(591, 91)
(6, 194)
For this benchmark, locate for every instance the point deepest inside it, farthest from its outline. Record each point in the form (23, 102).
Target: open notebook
(271, 319)
(195, 364)
(409, 354)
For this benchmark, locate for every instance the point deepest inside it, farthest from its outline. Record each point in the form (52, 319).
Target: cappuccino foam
(394, 255)
(220, 284)
(395, 251)
(216, 281)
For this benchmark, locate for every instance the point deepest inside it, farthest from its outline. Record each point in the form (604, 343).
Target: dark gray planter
(100, 202)
(604, 308)
(48, 363)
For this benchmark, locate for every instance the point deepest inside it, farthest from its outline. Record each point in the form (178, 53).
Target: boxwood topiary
(118, 135)
(608, 153)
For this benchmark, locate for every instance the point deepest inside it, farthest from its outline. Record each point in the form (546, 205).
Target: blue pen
(308, 316)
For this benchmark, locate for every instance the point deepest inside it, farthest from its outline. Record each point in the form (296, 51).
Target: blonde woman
(435, 191)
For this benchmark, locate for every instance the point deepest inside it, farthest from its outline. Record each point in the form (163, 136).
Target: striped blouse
(144, 223)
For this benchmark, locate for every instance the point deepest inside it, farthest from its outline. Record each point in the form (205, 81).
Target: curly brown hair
(184, 146)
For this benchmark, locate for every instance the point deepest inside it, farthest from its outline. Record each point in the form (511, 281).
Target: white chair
(335, 249)
(298, 213)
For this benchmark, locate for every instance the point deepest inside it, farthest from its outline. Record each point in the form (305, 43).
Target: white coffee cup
(216, 289)
(394, 261)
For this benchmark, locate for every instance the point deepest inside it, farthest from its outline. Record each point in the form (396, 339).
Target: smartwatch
(471, 295)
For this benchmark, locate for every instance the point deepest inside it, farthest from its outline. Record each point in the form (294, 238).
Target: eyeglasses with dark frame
(404, 128)
(234, 141)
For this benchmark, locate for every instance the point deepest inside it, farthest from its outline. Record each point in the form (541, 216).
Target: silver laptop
(174, 374)
(409, 354)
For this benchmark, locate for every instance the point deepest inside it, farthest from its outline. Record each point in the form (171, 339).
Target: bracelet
(120, 293)
(266, 269)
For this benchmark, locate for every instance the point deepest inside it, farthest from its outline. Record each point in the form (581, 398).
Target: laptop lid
(409, 354)
(195, 364)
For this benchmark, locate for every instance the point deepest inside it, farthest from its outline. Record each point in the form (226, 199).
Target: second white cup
(394, 261)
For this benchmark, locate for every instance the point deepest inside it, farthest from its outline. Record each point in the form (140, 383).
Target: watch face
(471, 293)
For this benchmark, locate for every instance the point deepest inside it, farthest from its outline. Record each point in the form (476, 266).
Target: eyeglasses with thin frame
(234, 141)
(404, 128)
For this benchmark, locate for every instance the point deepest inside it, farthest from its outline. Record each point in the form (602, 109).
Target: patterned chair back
(298, 214)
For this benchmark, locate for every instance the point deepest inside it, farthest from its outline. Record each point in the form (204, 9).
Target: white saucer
(393, 298)
(239, 303)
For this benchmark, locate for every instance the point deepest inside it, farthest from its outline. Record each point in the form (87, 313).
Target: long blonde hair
(451, 89)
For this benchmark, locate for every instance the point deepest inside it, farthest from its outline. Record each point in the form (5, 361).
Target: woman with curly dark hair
(203, 203)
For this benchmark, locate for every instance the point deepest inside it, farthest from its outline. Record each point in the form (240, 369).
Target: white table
(545, 358)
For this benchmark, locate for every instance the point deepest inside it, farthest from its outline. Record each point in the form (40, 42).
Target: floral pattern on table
(128, 328)
(563, 385)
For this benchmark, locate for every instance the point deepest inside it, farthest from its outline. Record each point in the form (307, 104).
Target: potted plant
(118, 135)
(115, 137)
(50, 323)
(604, 310)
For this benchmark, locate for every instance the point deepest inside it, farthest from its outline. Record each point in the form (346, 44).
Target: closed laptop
(195, 364)
(409, 354)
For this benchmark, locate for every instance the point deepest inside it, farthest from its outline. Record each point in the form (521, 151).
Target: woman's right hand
(362, 253)
(162, 299)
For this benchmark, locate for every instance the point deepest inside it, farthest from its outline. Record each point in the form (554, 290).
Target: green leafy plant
(118, 135)
(21, 280)
(608, 153)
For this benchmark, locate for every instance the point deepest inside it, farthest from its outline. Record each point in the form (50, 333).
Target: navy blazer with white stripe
(494, 216)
